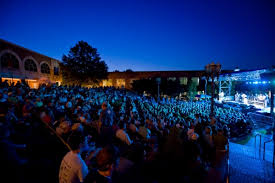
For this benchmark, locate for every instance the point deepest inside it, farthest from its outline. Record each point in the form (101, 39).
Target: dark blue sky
(145, 34)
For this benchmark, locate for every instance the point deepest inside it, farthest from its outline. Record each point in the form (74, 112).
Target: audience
(116, 135)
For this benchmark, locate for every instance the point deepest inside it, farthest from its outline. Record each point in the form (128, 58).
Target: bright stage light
(264, 82)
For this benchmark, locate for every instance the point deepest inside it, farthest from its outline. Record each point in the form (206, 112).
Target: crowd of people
(113, 135)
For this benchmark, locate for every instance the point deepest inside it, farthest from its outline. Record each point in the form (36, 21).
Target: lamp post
(212, 70)
(158, 80)
(205, 86)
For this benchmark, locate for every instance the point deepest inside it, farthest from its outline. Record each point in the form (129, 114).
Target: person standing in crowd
(106, 115)
(105, 125)
(220, 141)
(73, 168)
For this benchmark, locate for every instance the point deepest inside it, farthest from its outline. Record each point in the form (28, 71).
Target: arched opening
(45, 68)
(30, 65)
(9, 61)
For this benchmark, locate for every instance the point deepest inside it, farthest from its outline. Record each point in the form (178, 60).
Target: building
(125, 79)
(19, 63)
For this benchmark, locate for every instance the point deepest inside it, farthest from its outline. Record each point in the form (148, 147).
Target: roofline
(242, 71)
(161, 71)
(168, 71)
(5, 41)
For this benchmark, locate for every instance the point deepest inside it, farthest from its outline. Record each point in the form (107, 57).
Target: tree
(167, 87)
(147, 85)
(83, 65)
(191, 88)
(170, 87)
(201, 86)
(129, 70)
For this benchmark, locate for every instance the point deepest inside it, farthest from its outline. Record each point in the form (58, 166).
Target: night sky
(148, 35)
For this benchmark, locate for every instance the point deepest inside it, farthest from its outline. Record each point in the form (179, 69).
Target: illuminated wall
(107, 82)
(18, 63)
(120, 83)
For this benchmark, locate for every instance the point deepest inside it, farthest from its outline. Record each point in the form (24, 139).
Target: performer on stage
(237, 97)
(262, 99)
(244, 99)
(266, 100)
(221, 96)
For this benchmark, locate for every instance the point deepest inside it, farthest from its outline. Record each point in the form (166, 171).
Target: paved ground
(247, 166)
(246, 160)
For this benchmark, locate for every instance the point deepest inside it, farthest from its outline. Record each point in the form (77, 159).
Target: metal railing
(273, 161)
(260, 140)
(58, 136)
(227, 164)
(264, 147)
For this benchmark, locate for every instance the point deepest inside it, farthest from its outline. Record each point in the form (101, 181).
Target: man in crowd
(73, 168)
(106, 161)
(122, 134)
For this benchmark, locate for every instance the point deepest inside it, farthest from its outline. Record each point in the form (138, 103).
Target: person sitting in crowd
(144, 132)
(106, 161)
(122, 134)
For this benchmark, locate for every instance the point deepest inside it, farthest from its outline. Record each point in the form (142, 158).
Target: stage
(249, 90)
(240, 105)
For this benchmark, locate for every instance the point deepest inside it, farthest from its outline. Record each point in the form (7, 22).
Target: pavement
(247, 163)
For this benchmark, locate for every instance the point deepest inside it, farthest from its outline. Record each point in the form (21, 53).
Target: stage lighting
(264, 82)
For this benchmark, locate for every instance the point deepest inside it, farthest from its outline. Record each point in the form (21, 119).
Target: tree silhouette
(129, 70)
(83, 65)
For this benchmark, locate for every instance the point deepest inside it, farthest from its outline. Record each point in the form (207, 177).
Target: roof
(245, 75)
(7, 42)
